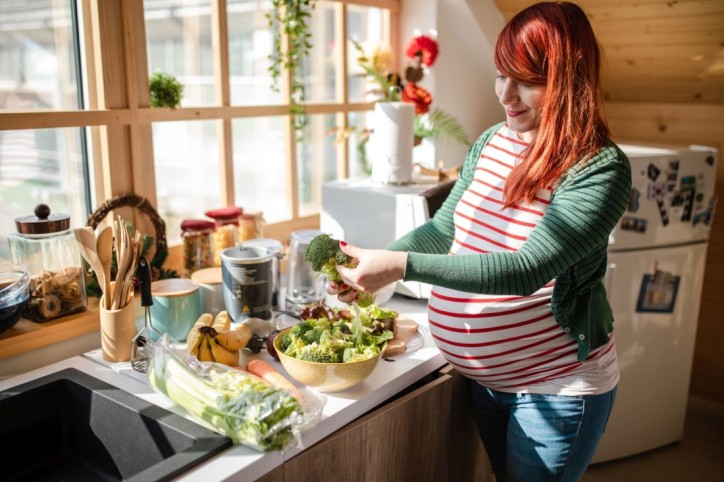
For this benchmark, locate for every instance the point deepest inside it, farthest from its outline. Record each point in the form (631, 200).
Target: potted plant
(166, 91)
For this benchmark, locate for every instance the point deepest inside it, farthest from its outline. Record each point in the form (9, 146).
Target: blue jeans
(536, 438)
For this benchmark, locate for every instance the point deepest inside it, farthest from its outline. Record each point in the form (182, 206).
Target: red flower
(417, 95)
(423, 46)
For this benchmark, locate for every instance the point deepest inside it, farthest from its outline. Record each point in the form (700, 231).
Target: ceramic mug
(209, 281)
(176, 307)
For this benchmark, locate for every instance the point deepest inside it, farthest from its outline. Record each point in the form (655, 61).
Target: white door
(655, 295)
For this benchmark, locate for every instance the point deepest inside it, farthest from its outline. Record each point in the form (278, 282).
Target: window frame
(119, 116)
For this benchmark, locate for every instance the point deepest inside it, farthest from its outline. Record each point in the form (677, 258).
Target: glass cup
(304, 286)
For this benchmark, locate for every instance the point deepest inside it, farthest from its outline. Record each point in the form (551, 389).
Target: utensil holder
(118, 327)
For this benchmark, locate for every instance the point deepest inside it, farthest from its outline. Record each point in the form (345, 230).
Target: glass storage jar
(46, 246)
(226, 234)
(197, 235)
(251, 226)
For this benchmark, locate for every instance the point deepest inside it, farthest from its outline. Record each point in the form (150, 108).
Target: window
(40, 58)
(231, 141)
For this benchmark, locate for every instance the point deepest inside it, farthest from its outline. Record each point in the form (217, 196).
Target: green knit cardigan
(569, 244)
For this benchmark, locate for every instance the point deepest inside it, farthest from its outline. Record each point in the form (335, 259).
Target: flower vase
(391, 142)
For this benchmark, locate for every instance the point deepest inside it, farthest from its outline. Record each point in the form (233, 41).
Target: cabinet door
(276, 475)
(468, 460)
(406, 439)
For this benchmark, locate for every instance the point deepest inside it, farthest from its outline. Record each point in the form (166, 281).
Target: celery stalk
(190, 392)
(245, 409)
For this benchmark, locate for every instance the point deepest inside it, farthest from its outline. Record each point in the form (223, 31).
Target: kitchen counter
(243, 463)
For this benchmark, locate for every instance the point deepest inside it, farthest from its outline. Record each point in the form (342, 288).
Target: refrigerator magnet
(658, 293)
(630, 223)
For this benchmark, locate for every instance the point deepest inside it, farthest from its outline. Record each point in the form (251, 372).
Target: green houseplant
(166, 91)
(290, 18)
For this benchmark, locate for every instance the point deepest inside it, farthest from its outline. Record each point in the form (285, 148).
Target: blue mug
(176, 307)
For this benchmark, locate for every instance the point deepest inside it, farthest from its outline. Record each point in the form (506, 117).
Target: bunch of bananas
(214, 339)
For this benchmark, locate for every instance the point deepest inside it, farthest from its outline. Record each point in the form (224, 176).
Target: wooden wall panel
(690, 124)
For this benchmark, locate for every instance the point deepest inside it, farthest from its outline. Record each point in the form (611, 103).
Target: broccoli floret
(301, 328)
(295, 347)
(319, 354)
(334, 341)
(286, 341)
(341, 329)
(323, 254)
(314, 335)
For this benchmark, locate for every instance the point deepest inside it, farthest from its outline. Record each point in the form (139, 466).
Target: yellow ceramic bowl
(325, 377)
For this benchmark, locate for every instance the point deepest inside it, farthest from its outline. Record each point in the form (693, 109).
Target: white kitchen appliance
(370, 214)
(656, 257)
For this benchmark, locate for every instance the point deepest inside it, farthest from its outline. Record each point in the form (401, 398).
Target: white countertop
(341, 408)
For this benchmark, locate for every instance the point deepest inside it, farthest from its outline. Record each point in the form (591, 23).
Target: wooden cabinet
(468, 460)
(404, 439)
(425, 433)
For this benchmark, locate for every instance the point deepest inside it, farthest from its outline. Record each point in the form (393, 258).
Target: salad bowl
(326, 377)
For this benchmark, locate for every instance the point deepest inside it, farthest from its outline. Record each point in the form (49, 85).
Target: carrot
(269, 374)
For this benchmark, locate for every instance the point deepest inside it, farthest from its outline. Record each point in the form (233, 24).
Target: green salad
(328, 335)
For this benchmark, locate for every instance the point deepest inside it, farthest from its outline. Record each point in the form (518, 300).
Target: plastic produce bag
(233, 402)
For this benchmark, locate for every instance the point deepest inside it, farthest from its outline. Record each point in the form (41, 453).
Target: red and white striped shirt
(509, 343)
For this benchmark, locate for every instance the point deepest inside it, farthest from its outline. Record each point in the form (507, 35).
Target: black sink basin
(71, 426)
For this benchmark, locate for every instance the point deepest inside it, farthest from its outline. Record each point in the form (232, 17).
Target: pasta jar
(46, 246)
(197, 235)
(251, 226)
(227, 225)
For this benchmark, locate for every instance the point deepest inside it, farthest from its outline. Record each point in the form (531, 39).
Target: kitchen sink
(72, 426)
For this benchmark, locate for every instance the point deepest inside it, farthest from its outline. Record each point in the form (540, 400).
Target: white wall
(462, 79)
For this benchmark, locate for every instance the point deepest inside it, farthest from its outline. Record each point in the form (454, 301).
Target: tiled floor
(698, 457)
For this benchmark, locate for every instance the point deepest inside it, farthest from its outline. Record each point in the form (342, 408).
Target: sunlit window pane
(40, 166)
(250, 43)
(186, 156)
(38, 61)
(178, 36)
(260, 179)
(360, 124)
(368, 26)
(320, 67)
(316, 162)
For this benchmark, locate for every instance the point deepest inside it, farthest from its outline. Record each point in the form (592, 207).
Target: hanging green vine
(291, 17)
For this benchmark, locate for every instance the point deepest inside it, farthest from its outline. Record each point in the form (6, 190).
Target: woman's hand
(375, 269)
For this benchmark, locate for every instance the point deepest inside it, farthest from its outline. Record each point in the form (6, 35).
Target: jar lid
(207, 276)
(229, 212)
(43, 222)
(196, 225)
(251, 214)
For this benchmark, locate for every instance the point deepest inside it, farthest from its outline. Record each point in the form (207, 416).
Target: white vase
(390, 146)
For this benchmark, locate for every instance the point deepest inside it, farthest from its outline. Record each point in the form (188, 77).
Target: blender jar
(304, 286)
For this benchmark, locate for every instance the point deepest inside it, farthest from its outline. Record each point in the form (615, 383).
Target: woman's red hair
(553, 44)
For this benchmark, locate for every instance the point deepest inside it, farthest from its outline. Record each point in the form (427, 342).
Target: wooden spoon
(123, 258)
(87, 241)
(134, 249)
(104, 248)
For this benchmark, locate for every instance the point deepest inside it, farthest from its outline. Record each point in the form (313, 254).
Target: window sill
(27, 335)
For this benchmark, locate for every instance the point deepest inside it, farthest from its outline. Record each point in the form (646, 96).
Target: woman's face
(522, 103)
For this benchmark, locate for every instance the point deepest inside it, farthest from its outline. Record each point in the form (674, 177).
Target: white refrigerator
(656, 260)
